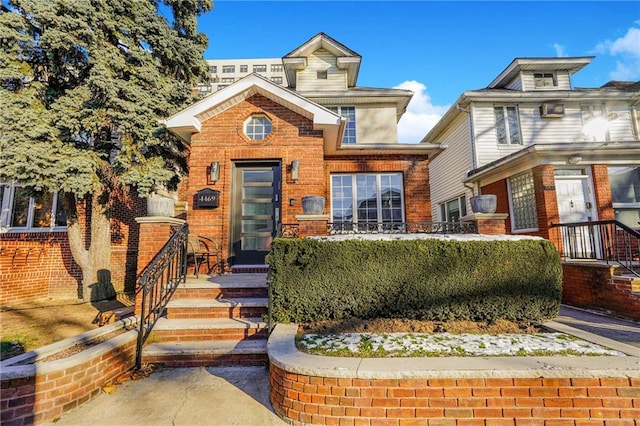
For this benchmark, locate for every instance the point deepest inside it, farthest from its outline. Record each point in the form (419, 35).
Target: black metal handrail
(287, 230)
(604, 240)
(158, 283)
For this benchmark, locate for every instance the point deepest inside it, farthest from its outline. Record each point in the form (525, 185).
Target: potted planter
(483, 203)
(312, 204)
(160, 206)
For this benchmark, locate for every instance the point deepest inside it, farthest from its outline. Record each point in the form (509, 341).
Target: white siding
(376, 124)
(321, 60)
(448, 169)
(515, 84)
(620, 128)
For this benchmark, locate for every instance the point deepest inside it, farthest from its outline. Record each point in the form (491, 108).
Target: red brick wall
(39, 265)
(594, 286)
(602, 189)
(43, 397)
(499, 189)
(464, 401)
(222, 139)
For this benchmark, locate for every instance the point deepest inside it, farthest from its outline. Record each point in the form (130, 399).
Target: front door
(575, 205)
(255, 211)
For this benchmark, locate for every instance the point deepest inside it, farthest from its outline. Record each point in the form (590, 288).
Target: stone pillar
(312, 225)
(488, 223)
(155, 231)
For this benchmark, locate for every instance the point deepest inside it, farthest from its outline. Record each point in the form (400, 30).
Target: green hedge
(421, 279)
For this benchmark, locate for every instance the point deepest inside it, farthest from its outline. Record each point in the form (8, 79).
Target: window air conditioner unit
(551, 110)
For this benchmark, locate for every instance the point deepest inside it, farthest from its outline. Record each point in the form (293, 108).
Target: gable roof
(346, 58)
(190, 119)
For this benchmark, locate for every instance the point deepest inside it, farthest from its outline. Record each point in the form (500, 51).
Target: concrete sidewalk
(620, 330)
(183, 396)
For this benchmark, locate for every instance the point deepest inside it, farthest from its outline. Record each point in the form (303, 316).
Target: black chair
(202, 250)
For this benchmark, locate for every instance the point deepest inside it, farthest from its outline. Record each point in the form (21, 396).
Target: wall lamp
(295, 170)
(214, 171)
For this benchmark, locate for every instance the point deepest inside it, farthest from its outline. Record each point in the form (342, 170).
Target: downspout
(472, 148)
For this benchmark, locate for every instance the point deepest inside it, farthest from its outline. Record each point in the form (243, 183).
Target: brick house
(258, 148)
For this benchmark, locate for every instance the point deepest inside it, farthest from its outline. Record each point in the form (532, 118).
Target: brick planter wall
(37, 393)
(593, 285)
(306, 399)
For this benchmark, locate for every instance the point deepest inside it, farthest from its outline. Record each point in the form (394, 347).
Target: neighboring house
(264, 146)
(551, 153)
(226, 71)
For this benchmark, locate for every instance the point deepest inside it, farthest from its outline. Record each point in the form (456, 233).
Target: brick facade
(303, 399)
(39, 265)
(222, 139)
(595, 286)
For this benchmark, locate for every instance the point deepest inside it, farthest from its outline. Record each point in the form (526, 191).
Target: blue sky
(436, 49)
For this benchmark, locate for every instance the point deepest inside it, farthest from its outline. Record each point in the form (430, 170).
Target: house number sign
(207, 198)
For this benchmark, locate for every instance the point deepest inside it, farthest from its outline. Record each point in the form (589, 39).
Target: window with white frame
(276, 68)
(228, 69)
(277, 80)
(228, 80)
(367, 198)
(507, 125)
(625, 194)
(244, 68)
(544, 80)
(213, 69)
(349, 112)
(595, 125)
(453, 210)
(259, 68)
(204, 88)
(257, 127)
(23, 212)
(522, 200)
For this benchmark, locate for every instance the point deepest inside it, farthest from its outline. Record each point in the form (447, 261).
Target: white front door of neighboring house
(575, 204)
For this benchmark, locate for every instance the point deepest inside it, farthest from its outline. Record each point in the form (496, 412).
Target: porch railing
(604, 240)
(336, 228)
(158, 283)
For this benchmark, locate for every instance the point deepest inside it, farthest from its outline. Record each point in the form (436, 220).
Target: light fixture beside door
(214, 171)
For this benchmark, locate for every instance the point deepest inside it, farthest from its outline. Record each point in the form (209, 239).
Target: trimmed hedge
(420, 279)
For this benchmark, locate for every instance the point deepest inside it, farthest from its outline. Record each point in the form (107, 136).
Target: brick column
(312, 224)
(488, 223)
(154, 234)
(602, 189)
(544, 183)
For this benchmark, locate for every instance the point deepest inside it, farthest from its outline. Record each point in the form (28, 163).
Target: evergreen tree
(83, 85)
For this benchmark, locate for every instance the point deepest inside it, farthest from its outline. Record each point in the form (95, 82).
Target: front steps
(213, 321)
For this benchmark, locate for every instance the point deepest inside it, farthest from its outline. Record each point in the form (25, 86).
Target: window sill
(32, 230)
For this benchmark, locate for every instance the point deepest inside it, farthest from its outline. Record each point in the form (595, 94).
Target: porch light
(214, 171)
(295, 170)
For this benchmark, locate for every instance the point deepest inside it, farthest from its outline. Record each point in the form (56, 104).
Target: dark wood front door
(255, 210)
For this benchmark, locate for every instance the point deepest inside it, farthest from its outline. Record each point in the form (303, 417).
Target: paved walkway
(240, 395)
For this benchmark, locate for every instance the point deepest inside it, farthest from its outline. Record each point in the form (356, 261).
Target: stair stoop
(213, 321)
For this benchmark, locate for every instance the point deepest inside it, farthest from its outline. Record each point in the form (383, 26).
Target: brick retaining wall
(33, 394)
(306, 399)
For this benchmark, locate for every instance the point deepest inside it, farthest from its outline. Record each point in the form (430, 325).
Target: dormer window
(257, 127)
(322, 75)
(541, 80)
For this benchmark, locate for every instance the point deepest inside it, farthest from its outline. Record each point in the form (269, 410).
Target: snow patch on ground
(446, 344)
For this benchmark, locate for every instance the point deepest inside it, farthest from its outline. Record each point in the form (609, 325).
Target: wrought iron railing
(292, 230)
(604, 240)
(158, 283)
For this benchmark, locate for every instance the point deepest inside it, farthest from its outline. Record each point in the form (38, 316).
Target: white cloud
(421, 114)
(560, 52)
(627, 50)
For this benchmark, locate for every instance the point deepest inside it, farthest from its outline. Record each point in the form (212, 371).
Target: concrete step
(205, 329)
(253, 307)
(223, 286)
(206, 354)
